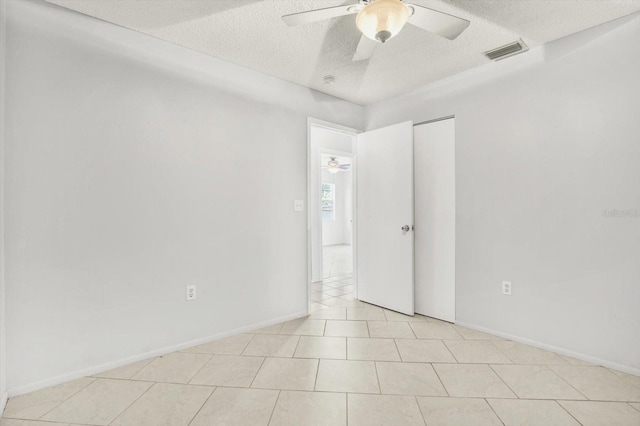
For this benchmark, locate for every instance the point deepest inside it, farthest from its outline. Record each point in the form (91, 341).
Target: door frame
(314, 122)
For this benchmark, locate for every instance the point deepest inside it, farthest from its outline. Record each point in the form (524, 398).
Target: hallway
(337, 260)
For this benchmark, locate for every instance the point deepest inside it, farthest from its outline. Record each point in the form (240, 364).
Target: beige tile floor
(335, 292)
(336, 260)
(348, 363)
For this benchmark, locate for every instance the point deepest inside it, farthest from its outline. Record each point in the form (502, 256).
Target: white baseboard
(129, 360)
(558, 350)
(3, 402)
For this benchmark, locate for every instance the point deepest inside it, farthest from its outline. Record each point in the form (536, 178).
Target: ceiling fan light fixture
(333, 166)
(381, 20)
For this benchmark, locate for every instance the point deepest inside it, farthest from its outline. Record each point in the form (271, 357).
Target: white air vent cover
(506, 50)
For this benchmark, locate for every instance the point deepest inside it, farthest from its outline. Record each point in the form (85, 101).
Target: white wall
(322, 139)
(545, 142)
(3, 367)
(134, 168)
(338, 231)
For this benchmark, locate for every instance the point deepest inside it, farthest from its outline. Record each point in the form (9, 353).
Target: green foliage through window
(327, 202)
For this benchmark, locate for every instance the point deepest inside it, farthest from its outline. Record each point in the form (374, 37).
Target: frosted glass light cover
(333, 165)
(382, 19)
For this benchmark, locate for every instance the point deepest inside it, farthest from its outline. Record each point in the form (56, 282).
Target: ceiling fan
(381, 20)
(334, 166)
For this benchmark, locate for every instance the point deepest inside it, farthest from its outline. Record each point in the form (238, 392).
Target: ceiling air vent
(506, 50)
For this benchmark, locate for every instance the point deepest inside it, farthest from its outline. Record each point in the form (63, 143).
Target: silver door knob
(405, 228)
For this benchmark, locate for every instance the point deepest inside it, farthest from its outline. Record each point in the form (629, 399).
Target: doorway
(403, 172)
(336, 212)
(331, 165)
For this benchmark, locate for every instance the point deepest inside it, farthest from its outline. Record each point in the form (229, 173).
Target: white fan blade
(365, 49)
(440, 23)
(320, 14)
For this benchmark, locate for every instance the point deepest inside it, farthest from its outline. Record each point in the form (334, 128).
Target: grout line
(440, 379)
(568, 412)
(398, 349)
(449, 350)
(202, 406)
(386, 318)
(315, 382)
(424, 421)
(200, 369)
(461, 337)
(295, 349)
(412, 330)
(503, 352)
(245, 346)
(346, 348)
(133, 402)
(375, 366)
(248, 343)
(346, 395)
(257, 372)
(486, 401)
(503, 381)
(566, 381)
(274, 407)
(70, 396)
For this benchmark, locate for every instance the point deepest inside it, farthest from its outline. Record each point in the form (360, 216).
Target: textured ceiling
(251, 33)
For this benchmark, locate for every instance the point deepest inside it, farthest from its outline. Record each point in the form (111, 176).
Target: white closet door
(435, 210)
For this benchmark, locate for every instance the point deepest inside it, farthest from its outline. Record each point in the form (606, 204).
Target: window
(327, 202)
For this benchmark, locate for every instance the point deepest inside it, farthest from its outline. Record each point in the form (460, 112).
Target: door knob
(405, 228)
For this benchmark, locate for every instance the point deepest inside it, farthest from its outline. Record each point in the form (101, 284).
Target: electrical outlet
(506, 288)
(191, 292)
(298, 206)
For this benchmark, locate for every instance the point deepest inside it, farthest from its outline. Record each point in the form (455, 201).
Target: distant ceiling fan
(334, 166)
(381, 20)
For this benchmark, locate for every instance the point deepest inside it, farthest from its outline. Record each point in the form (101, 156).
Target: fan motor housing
(383, 36)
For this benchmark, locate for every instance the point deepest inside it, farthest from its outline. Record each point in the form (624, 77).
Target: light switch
(298, 206)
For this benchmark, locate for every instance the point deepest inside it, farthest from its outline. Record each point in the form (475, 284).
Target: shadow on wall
(586, 39)
(162, 14)
(338, 47)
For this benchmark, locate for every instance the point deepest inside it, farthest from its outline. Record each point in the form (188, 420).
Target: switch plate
(506, 288)
(298, 206)
(191, 292)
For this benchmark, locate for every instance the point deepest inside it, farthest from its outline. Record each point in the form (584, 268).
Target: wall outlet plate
(298, 206)
(506, 288)
(191, 292)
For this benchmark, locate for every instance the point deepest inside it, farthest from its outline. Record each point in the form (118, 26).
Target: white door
(435, 210)
(384, 196)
